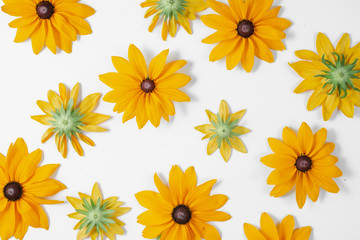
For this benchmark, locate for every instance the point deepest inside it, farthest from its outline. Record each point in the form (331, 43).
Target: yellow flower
(183, 210)
(245, 29)
(224, 131)
(302, 160)
(97, 216)
(55, 23)
(148, 95)
(284, 230)
(69, 119)
(25, 187)
(172, 12)
(333, 75)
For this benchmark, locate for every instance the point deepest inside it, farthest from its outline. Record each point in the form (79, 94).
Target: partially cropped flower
(171, 13)
(25, 186)
(54, 23)
(223, 132)
(97, 216)
(69, 119)
(182, 210)
(302, 160)
(270, 231)
(245, 29)
(142, 93)
(332, 73)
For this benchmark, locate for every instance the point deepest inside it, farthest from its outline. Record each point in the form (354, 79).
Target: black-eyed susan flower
(171, 13)
(24, 187)
(332, 73)
(283, 231)
(182, 210)
(223, 132)
(302, 160)
(97, 216)
(146, 94)
(69, 119)
(54, 23)
(245, 29)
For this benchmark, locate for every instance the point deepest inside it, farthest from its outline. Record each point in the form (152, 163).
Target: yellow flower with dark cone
(332, 73)
(54, 23)
(69, 119)
(302, 160)
(245, 29)
(182, 210)
(223, 132)
(146, 94)
(171, 13)
(97, 216)
(283, 231)
(25, 186)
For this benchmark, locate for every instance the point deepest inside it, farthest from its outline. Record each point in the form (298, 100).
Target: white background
(125, 159)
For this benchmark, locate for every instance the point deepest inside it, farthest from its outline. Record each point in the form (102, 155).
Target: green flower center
(340, 75)
(170, 8)
(67, 120)
(96, 215)
(224, 130)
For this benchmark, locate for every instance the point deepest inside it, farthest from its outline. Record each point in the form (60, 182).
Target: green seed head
(340, 75)
(67, 120)
(171, 8)
(96, 216)
(224, 130)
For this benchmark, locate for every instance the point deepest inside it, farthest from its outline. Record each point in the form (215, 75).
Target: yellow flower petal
(302, 233)
(137, 61)
(267, 227)
(157, 64)
(286, 228)
(252, 233)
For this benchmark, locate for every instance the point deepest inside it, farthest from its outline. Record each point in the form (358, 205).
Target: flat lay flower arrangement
(179, 119)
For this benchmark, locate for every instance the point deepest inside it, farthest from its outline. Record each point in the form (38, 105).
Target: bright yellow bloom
(55, 23)
(283, 231)
(25, 187)
(183, 210)
(302, 160)
(69, 119)
(333, 75)
(97, 216)
(172, 12)
(146, 94)
(245, 29)
(224, 131)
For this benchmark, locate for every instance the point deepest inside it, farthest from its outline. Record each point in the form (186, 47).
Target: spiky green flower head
(340, 75)
(224, 130)
(171, 8)
(67, 119)
(96, 216)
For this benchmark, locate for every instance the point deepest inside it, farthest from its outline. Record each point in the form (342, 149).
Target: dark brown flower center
(245, 28)
(303, 163)
(13, 191)
(147, 85)
(45, 9)
(181, 214)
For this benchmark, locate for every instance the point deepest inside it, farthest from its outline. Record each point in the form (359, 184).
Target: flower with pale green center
(223, 132)
(97, 216)
(69, 119)
(340, 75)
(171, 8)
(332, 73)
(171, 13)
